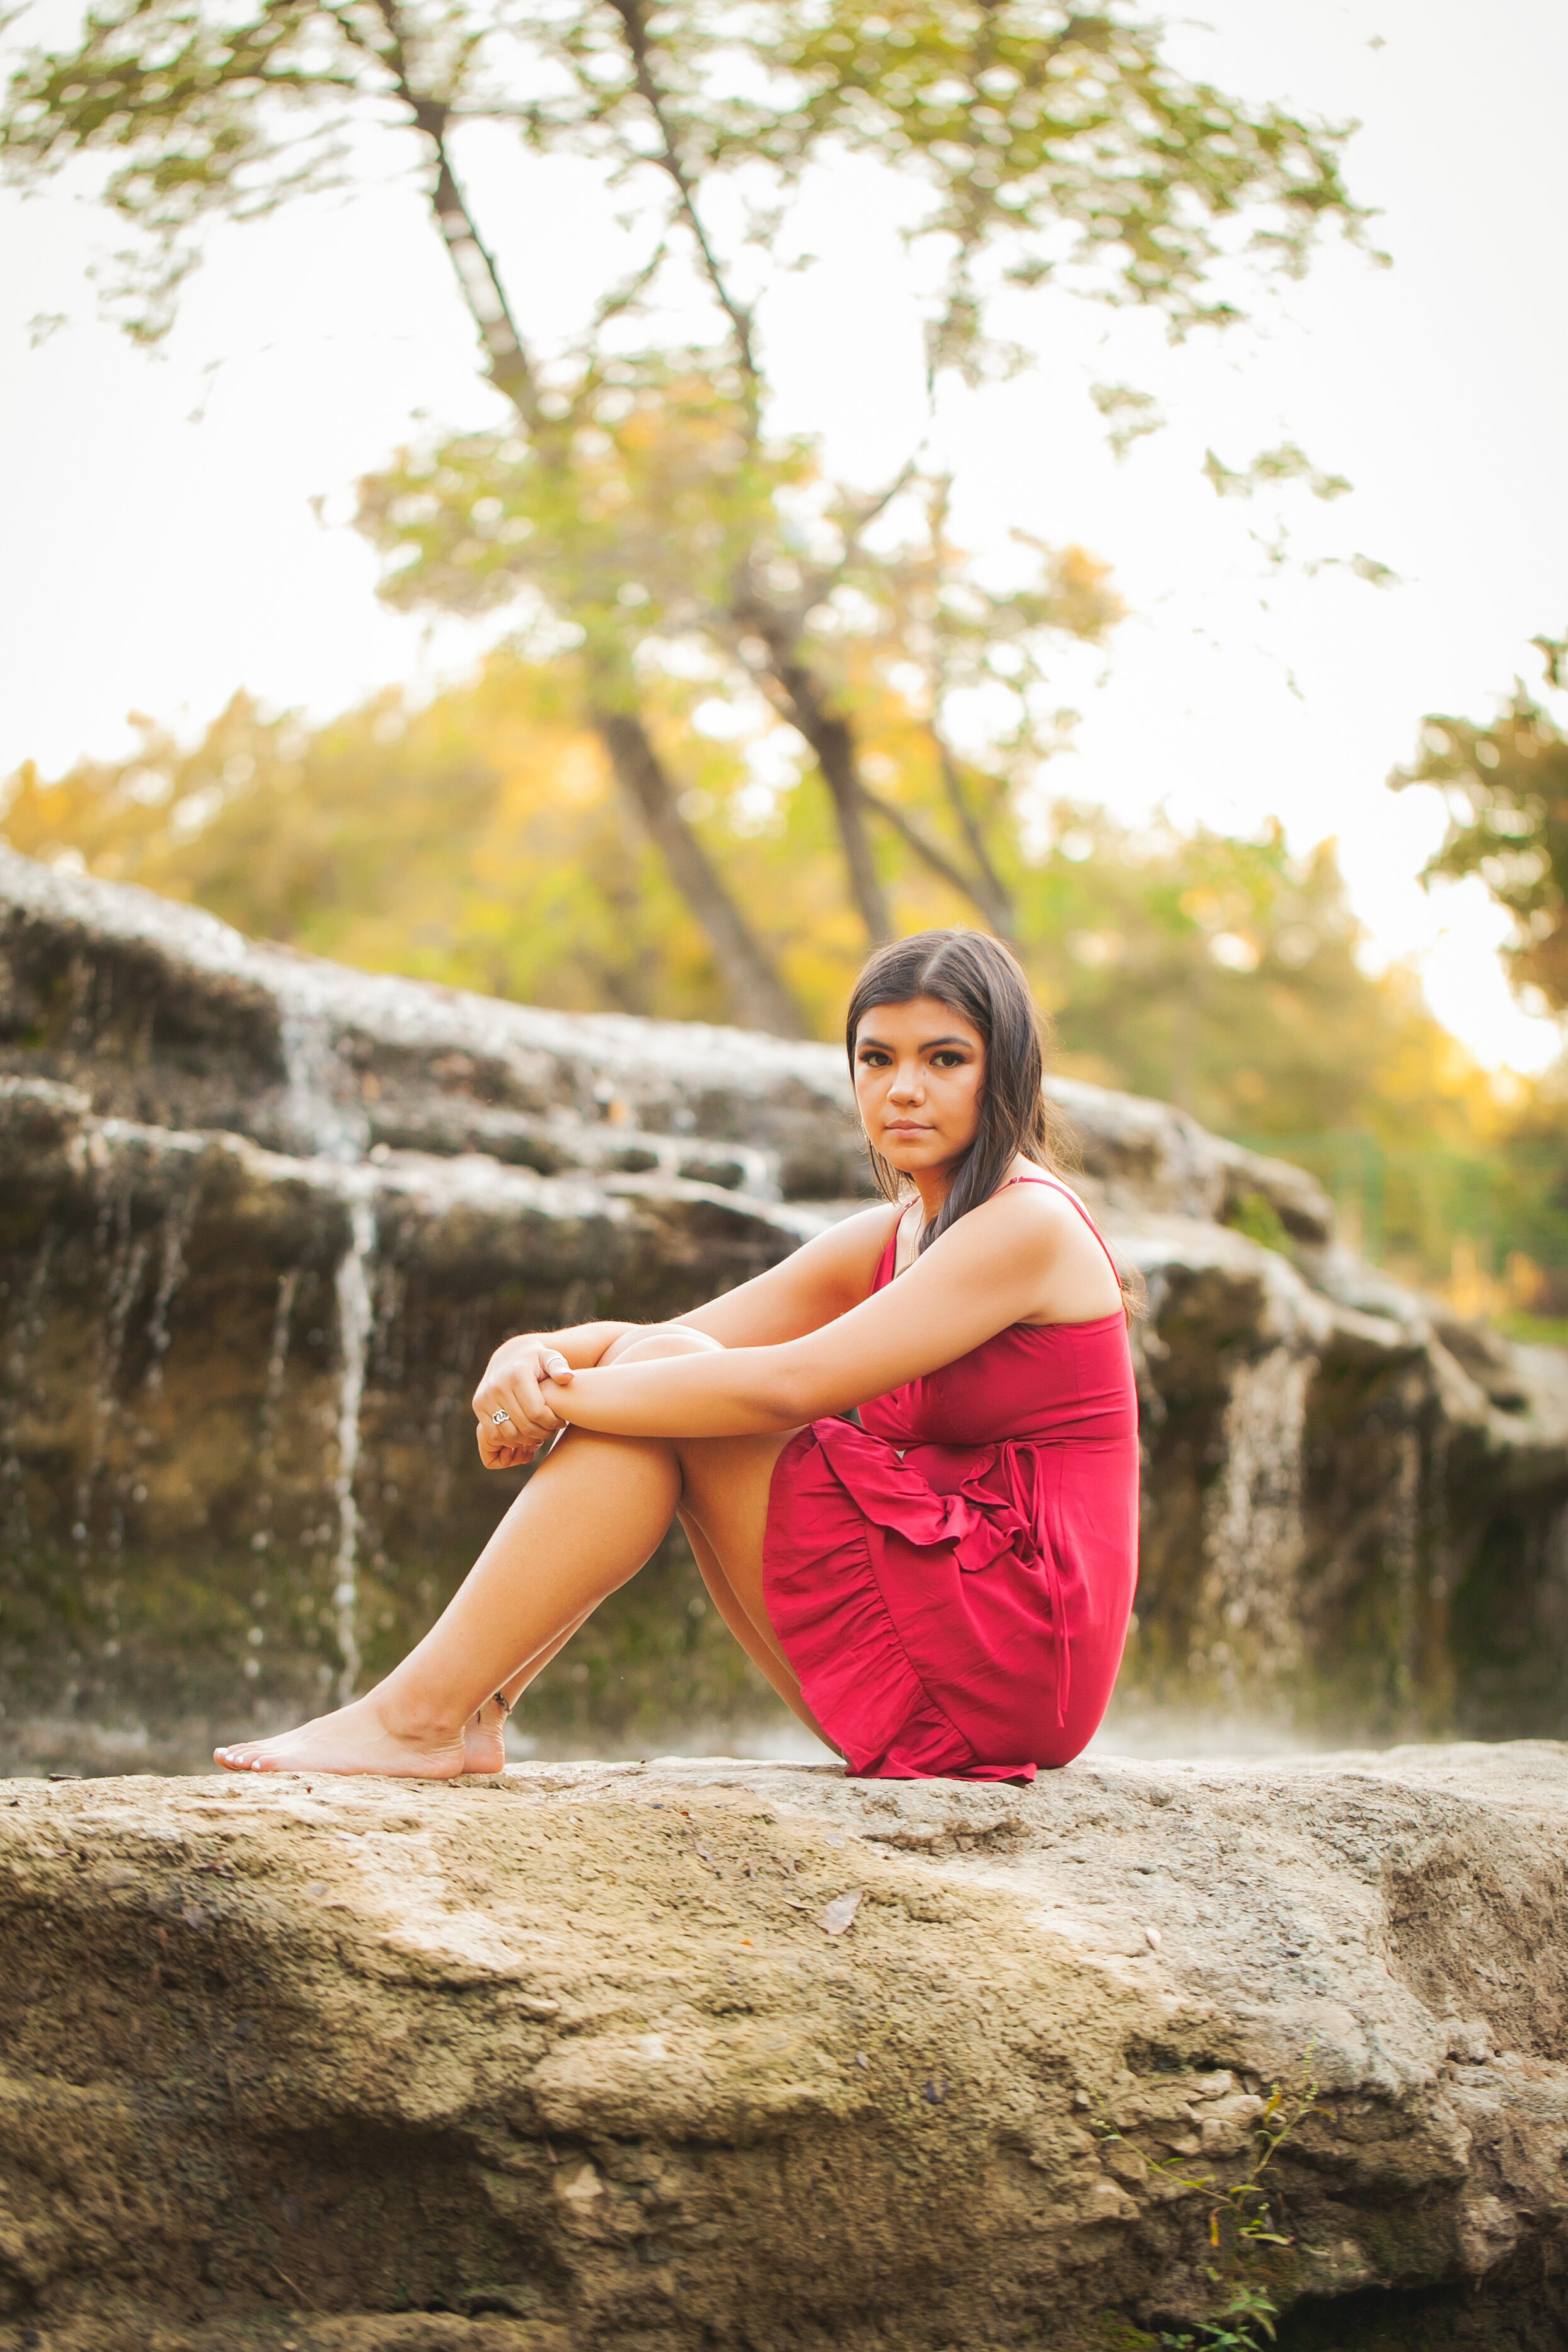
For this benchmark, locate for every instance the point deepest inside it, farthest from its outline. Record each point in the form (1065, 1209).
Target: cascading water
(1254, 1539)
(326, 1126)
(338, 1131)
(356, 1325)
(125, 1252)
(267, 1456)
(177, 1226)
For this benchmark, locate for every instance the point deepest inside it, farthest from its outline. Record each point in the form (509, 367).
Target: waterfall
(271, 1401)
(1255, 1538)
(124, 1258)
(267, 1454)
(330, 1128)
(339, 1131)
(177, 1225)
(356, 1323)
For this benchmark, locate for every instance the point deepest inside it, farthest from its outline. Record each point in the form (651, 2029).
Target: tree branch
(670, 162)
(994, 898)
(479, 273)
(798, 697)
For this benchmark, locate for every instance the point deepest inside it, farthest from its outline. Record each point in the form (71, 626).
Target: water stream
(1254, 1537)
(356, 1329)
(338, 1131)
(177, 1223)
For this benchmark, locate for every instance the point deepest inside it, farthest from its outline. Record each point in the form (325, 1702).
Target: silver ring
(499, 1417)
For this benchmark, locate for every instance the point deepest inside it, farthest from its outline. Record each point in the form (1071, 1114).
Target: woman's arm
(989, 1270)
(824, 1278)
(512, 1379)
(815, 1285)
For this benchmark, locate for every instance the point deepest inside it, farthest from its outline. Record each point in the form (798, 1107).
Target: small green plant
(1256, 1216)
(1240, 2226)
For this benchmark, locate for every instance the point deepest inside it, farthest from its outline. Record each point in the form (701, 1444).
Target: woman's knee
(662, 1339)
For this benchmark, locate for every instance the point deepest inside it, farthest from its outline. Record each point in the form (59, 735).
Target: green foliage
(1020, 120)
(1258, 1219)
(640, 509)
(1241, 2232)
(1025, 119)
(1506, 785)
(475, 842)
(1222, 975)
(479, 841)
(1285, 464)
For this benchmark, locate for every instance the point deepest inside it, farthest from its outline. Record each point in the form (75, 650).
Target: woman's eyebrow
(926, 1046)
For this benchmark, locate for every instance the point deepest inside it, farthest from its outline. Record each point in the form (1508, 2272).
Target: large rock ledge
(571, 2060)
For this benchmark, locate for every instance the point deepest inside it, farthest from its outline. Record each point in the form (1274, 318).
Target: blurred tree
(474, 842)
(1506, 785)
(1224, 974)
(638, 499)
(1219, 974)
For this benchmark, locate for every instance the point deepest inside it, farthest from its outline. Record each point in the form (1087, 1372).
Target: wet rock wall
(262, 1219)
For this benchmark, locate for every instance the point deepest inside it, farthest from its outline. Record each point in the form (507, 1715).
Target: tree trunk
(989, 893)
(759, 996)
(833, 746)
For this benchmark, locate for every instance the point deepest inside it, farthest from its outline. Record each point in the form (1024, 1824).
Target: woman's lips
(904, 1127)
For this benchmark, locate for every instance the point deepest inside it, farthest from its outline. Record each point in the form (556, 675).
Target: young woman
(940, 1589)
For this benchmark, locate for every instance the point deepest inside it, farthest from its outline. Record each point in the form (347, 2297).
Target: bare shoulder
(853, 1246)
(1043, 1232)
(1036, 1201)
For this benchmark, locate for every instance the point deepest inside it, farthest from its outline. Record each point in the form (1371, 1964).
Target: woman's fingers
(510, 1373)
(513, 1414)
(498, 1451)
(509, 1398)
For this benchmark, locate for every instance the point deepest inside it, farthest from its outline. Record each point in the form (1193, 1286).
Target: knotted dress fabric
(952, 1580)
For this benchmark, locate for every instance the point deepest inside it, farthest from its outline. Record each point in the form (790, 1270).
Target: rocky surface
(262, 1219)
(694, 2055)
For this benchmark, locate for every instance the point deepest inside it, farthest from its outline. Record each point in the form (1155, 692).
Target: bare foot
(484, 1739)
(355, 1739)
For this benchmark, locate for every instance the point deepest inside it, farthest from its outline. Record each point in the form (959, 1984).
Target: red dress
(952, 1580)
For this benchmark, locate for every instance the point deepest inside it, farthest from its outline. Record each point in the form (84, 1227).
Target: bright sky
(162, 547)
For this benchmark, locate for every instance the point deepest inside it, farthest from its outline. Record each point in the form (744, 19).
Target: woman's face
(919, 1071)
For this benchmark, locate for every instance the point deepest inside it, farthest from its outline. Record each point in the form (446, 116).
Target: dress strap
(1069, 1194)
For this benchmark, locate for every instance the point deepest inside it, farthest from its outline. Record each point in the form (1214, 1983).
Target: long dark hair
(985, 982)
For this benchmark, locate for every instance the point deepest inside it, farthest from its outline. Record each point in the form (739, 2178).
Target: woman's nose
(906, 1086)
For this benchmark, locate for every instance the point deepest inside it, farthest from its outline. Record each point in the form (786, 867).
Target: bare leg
(484, 1734)
(760, 1645)
(591, 1515)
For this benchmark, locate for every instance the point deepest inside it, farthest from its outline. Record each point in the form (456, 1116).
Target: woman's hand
(513, 1418)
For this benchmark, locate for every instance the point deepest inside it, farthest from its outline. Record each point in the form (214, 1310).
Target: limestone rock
(571, 2060)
